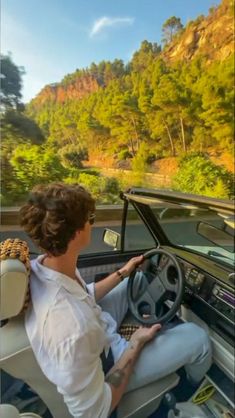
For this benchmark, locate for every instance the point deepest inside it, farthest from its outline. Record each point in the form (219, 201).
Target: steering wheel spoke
(157, 290)
(140, 286)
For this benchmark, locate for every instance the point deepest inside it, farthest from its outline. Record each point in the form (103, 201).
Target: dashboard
(218, 300)
(209, 291)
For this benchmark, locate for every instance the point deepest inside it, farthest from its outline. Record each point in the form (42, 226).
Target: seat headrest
(9, 411)
(15, 268)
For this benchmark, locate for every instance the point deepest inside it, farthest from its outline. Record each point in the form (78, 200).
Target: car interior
(188, 246)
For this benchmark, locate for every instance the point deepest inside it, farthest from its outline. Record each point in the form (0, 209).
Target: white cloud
(105, 21)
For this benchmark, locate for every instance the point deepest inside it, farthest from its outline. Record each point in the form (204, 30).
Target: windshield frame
(219, 209)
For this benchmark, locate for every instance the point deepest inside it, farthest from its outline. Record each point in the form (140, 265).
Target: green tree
(171, 100)
(144, 56)
(92, 130)
(120, 113)
(218, 102)
(162, 126)
(106, 71)
(11, 83)
(170, 28)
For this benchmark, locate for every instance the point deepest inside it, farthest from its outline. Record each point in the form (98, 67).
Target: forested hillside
(169, 105)
(171, 100)
(212, 36)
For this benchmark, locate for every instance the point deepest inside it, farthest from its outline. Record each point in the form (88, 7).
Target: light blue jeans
(186, 345)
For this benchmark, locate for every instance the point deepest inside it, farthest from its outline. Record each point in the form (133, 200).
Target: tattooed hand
(123, 368)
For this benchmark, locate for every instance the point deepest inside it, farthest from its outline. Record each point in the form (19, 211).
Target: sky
(51, 38)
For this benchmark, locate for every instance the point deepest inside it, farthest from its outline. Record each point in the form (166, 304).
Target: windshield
(183, 227)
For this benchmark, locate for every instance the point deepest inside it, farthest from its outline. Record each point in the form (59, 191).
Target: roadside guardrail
(10, 215)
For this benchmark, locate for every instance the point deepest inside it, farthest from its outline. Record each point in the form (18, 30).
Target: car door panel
(97, 267)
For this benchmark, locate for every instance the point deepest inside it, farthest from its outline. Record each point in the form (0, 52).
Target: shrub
(32, 164)
(151, 158)
(124, 154)
(104, 190)
(198, 175)
(139, 162)
(72, 155)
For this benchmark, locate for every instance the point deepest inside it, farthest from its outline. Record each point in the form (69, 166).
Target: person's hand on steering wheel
(131, 265)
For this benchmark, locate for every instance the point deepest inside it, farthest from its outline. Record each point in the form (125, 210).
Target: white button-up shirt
(68, 331)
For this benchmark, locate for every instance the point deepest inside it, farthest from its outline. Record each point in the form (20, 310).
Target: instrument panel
(208, 295)
(193, 277)
(210, 299)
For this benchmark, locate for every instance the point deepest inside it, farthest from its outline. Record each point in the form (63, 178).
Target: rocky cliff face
(59, 93)
(211, 36)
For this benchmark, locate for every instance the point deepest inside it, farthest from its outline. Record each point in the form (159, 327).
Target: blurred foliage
(17, 130)
(139, 162)
(124, 154)
(11, 83)
(34, 165)
(199, 175)
(105, 190)
(72, 155)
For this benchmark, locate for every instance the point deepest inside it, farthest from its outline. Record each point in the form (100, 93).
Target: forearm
(107, 284)
(119, 375)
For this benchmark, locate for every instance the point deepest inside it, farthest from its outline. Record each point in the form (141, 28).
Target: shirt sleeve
(91, 289)
(89, 286)
(81, 379)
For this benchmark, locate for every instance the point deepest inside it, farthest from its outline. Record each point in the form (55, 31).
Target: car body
(199, 232)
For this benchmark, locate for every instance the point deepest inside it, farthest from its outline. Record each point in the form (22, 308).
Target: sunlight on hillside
(114, 125)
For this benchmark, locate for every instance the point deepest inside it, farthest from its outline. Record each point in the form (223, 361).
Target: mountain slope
(211, 36)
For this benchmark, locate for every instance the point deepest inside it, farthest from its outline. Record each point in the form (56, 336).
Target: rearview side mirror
(112, 238)
(216, 236)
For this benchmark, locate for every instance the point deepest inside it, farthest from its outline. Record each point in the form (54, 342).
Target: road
(96, 244)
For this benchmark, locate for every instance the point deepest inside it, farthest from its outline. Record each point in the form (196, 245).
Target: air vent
(231, 278)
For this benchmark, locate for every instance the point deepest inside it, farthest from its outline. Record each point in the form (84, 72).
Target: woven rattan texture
(15, 248)
(126, 330)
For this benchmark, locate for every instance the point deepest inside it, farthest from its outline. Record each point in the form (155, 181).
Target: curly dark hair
(54, 213)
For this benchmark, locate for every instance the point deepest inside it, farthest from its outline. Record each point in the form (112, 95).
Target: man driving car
(73, 327)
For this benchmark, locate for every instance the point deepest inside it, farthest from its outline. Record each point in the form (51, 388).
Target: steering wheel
(156, 288)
